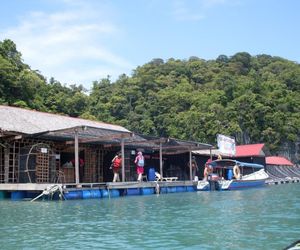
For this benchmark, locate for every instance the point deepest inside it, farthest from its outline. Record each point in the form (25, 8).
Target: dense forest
(252, 98)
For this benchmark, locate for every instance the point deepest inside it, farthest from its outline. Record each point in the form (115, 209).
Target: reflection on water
(267, 218)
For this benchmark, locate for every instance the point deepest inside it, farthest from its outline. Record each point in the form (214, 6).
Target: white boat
(231, 175)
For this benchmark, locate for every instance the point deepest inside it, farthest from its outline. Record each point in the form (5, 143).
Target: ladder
(50, 191)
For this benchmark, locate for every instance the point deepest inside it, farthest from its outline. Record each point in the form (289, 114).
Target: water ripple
(250, 219)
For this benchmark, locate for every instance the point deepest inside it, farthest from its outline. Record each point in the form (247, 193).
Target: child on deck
(139, 162)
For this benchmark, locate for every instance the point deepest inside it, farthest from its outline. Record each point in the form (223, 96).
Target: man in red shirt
(116, 166)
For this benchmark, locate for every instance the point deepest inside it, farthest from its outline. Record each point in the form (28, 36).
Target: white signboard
(226, 145)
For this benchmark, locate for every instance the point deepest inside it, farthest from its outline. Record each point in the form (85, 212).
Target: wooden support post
(123, 160)
(76, 158)
(160, 160)
(6, 165)
(191, 170)
(14, 163)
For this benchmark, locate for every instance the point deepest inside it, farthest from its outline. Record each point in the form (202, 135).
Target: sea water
(265, 218)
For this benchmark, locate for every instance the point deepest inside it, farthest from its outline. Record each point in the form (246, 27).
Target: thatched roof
(17, 121)
(26, 121)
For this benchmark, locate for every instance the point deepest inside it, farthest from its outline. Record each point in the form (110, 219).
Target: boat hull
(231, 185)
(241, 184)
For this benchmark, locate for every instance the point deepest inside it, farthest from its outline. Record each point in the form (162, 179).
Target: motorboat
(228, 174)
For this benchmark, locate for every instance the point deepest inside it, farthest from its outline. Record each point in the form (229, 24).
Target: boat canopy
(228, 163)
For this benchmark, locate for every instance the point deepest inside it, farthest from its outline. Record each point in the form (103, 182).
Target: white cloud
(182, 13)
(212, 3)
(65, 43)
(195, 10)
(87, 74)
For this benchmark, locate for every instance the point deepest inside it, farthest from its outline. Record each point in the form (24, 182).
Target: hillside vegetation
(252, 98)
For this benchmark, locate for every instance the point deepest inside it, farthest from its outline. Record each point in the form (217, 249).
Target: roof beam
(102, 138)
(178, 147)
(155, 141)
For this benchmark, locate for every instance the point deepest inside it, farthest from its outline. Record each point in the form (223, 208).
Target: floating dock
(71, 191)
(30, 191)
(282, 181)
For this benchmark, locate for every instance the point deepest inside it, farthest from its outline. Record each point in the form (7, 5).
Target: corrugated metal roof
(249, 150)
(31, 122)
(241, 151)
(213, 152)
(277, 160)
(169, 144)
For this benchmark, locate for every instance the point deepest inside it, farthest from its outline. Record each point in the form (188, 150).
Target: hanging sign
(226, 144)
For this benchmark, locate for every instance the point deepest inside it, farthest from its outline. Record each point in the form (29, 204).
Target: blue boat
(230, 174)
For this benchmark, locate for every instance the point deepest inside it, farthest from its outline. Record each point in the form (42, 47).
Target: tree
(253, 98)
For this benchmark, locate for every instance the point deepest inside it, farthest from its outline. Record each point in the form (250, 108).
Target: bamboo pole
(14, 162)
(160, 160)
(190, 163)
(76, 158)
(123, 160)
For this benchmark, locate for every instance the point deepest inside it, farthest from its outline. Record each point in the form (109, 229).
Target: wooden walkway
(108, 185)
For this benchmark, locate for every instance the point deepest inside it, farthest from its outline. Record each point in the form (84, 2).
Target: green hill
(252, 98)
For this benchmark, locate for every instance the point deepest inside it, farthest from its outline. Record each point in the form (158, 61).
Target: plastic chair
(159, 178)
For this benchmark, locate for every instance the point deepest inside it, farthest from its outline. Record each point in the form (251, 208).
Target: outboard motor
(213, 180)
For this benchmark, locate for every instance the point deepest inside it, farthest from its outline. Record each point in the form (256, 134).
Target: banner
(226, 144)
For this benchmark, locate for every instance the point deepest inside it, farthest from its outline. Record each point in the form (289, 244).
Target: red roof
(249, 150)
(276, 160)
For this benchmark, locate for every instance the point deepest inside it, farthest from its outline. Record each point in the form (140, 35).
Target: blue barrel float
(151, 174)
(147, 191)
(190, 188)
(114, 193)
(96, 193)
(133, 191)
(171, 189)
(110, 193)
(163, 190)
(18, 195)
(91, 194)
(104, 193)
(73, 195)
(180, 189)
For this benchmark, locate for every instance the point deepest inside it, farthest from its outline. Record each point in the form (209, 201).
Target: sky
(81, 41)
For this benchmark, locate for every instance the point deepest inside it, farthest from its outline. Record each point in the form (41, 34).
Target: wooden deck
(108, 185)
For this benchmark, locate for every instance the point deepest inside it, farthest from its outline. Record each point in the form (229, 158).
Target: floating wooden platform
(282, 181)
(94, 190)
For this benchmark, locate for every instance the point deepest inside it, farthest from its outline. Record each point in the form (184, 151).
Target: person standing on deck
(207, 169)
(139, 162)
(116, 165)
